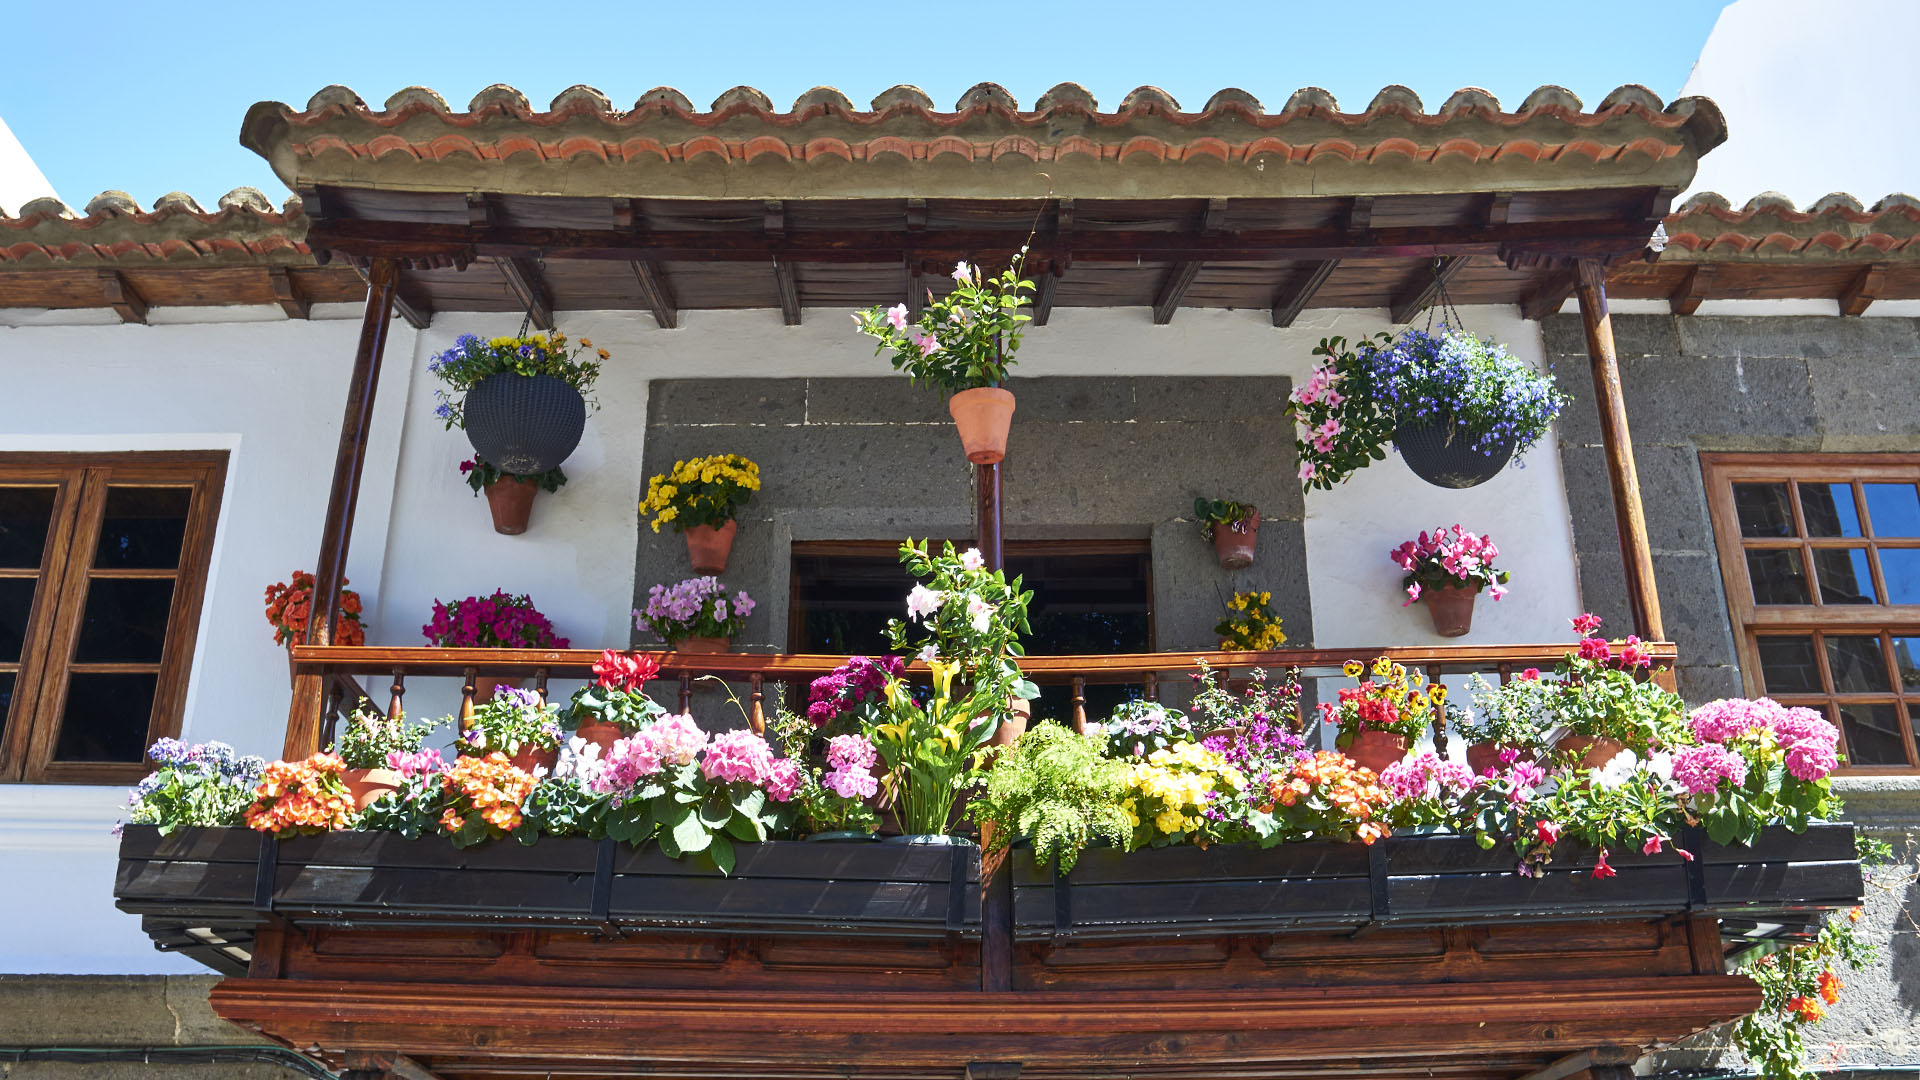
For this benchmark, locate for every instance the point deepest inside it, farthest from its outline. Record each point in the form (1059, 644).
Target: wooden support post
(996, 893)
(1635, 551)
(330, 568)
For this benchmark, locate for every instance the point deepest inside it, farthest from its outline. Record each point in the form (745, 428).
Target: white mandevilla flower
(922, 601)
(929, 654)
(1618, 770)
(963, 274)
(972, 559)
(981, 613)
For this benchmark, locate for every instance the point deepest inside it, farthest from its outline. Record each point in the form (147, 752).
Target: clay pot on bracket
(485, 686)
(1376, 750)
(1234, 543)
(600, 734)
(1482, 756)
(708, 546)
(698, 644)
(365, 786)
(1451, 607)
(510, 501)
(984, 416)
(529, 758)
(1014, 726)
(1594, 751)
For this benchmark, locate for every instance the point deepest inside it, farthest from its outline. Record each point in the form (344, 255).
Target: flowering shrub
(499, 621)
(965, 614)
(301, 797)
(1517, 714)
(289, 606)
(514, 720)
(1138, 728)
(929, 746)
(203, 785)
(1057, 788)
(1758, 763)
(834, 796)
(850, 690)
(481, 798)
(1328, 797)
(479, 474)
(1797, 982)
(1417, 783)
(962, 341)
(1605, 690)
(694, 793)
(616, 696)
(1170, 792)
(1348, 408)
(697, 607)
(1250, 624)
(704, 491)
(1451, 559)
(1399, 703)
(470, 359)
(371, 738)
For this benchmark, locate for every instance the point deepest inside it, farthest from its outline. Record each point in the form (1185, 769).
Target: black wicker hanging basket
(1444, 455)
(524, 424)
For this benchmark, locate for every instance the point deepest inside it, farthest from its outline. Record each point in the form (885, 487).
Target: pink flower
(1496, 590)
(1594, 649)
(1549, 832)
(922, 602)
(972, 559)
(1329, 429)
(1601, 869)
(1413, 593)
(897, 316)
(1700, 769)
(1306, 470)
(417, 763)
(1532, 674)
(1730, 718)
(1333, 399)
(1586, 623)
(851, 753)
(1811, 743)
(852, 784)
(963, 274)
(1633, 654)
(929, 345)
(738, 757)
(677, 739)
(783, 780)
(1652, 846)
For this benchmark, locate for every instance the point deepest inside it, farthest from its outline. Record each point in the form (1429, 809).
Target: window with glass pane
(102, 566)
(1821, 558)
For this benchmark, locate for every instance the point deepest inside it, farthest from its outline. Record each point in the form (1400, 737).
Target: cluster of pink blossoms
(674, 741)
(1424, 776)
(1632, 653)
(1460, 554)
(1700, 769)
(1811, 742)
(850, 761)
(417, 763)
(742, 757)
(862, 679)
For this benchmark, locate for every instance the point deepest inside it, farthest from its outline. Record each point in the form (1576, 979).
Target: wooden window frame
(66, 566)
(1750, 621)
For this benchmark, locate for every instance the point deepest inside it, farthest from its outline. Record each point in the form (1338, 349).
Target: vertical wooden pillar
(303, 715)
(1635, 552)
(996, 893)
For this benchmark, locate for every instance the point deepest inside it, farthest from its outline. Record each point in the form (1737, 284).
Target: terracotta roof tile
(115, 231)
(985, 147)
(1836, 228)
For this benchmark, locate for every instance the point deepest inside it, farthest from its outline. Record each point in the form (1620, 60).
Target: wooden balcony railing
(342, 668)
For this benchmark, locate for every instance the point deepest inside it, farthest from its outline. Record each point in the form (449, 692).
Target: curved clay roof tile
(1896, 201)
(1231, 96)
(249, 198)
(1312, 97)
(1836, 200)
(1705, 200)
(416, 95)
(902, 94)
(502, 95)
(1550, 96)
(1632, 94)
(1470, 97)
(667, 96)
(832, 98)
(1067, 94)
(336, 94)
(112, 202)
(48, 205)
(1396, 96)
(986, 95)
(177, 200)
(1149, 96)
(581, 95)
(1768, 200)
(742, 95)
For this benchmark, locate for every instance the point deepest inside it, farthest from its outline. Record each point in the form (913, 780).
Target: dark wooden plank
(1173, 287)
(1425, 289)
(287, 294)
(1693, 289)
(1290, 301)
(120, 296)
(656, 293)
(522, 275)
(789, 294)
(1863, 290)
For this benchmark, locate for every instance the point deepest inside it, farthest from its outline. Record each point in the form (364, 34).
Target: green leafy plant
(370, 735)
(1057, 788)
(969, 616)
(202, 785)
(1797, 982)
(962, 341)
(928, 747)
(1139, 727)
(515, 719)
(479, 474)
(1517, 713)
(1211, 512)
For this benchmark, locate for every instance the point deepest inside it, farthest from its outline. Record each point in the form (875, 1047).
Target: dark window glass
(25, 515)
(1828, 510)
(1901, 569)
(1906, 657)
(16, 604)
(1894, 509)
(1763, 509)
(6, 702)
(143, 528)
(1844, 576)
(125, 621)
(1787, 665)
(1857, 665)
(1873, 735)
(105, 718)
(1778, 577)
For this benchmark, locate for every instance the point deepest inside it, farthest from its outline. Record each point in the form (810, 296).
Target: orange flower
(1830, 985)
(1806, 1009)
(297, 795)
(491, 787)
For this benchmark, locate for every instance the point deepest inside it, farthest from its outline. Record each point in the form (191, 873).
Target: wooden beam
(1289, 302)
(656, 293)
(1173, 288)
(1044, 291)
(1863, 290)
(529, 287)
(1425, 289)
(336, 534)
(1550, 294)
(916, 290)
(1693, 289)
(389, 1065)
(1577, 1064)
(288, 296)
(789, 292)
(916, 215)
(1636, 553)
(418, 313)
(122, 298)
(1498, 205)
(1360, 214)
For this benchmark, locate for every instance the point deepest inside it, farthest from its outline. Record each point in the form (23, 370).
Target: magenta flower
(1586, 623)
(737, 757)
(1701, 769)
(783, 780)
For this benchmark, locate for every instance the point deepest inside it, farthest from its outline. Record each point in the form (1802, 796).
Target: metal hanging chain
(1443, 302)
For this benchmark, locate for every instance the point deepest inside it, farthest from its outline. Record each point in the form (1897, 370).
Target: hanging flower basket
(526, 424)
(1445, 455)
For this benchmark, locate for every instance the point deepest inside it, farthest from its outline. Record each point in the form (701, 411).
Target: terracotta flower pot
(529, 758)
(484, 687)
(367, 785)
(1451, 608)
(708, 547)
(1014, 726)
(699, 644)
(1376, 750)
(984, 416)
(1482, 756)
(1594, 751)
(510, 500)
(601, 734)
(1234, 546)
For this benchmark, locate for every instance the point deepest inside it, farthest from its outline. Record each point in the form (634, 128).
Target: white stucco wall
(270, 390)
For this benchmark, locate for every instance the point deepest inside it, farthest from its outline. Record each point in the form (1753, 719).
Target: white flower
(963, 274)
(972, 559)
(929, 654)
(1618, 770)
(922, 601)
(981, 613)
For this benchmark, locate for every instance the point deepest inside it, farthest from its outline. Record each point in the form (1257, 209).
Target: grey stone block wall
(161, 1016)
(869, 459)
(1699, 384)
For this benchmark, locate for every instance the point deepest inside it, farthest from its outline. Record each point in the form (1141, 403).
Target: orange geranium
(1830, 985)
(290, 605)
(302, 796)
(1328, 797)
(1806, 1009)
(483, 797)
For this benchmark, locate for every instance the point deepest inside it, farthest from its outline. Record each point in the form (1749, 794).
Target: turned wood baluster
(1153, 686)
(395, 712)
(466, 699)
(540, 682)
(335, 701)
(758, 713)
(1506, 674)
(1080, 704)
(1434, 674)
(686, 691)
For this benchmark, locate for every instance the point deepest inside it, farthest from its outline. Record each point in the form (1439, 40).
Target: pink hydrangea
(677, 739)
(737, 757)
(851, 753)
(1700, 769)
(626, 763)
(852, 784)
(1811, 743)
(1729, 718)
(783, 780)
(1424, 776)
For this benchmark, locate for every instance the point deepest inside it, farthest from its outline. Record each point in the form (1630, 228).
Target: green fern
(1057, 788)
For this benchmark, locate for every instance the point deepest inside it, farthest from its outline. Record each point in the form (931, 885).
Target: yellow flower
(585, 342)
(1381, 667)
(1438, 692)
(604, 354)
(1353, 668)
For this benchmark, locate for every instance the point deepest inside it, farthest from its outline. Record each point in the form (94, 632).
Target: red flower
(1652, 846)
(624, 671)
(1601, 869)
(466, 466)
(1808, 1010)
(1830, 987)
(1594, 649)
(1633, 654)
(1549, 833)
(1586, 623)
(1532, 674)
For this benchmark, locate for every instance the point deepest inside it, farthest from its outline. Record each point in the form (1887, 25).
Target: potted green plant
(1380, 718)
(517, 723)
(695, 616)
(1457, 407)
(368, 744)
(929, 747)
(835, 796)
(521, 400)
(1509, 721)
(970, 616)
(614, 705)
(1250, 624)
(1057, 789)
(963, 343)
(1608, 701)
(509, 497)
(499, 621)
(1445, 570)
(1233, 527)
(702, 499)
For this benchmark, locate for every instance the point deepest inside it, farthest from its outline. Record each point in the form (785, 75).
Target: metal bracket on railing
(265, 871)
(1693, 839)
(1062, 900)
(601, 905)
(957, 887)
(1380, 899)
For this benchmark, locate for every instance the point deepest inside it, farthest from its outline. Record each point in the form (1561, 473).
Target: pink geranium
(1449, 557)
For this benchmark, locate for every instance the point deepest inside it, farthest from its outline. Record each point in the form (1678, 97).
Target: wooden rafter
(122, 297)
(1498, 205)
(1360, 214)
(1550, 295)
(287, 294)
(530, 288)
(1693, 289)
(1425, 289)
(1863, 290)
(1045, 288)
(916, 289)
(656, 293)
(1180, 276)
(1290, 301)
(789, 291)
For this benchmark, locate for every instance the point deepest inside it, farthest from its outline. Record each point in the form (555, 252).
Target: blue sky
(149, 99)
